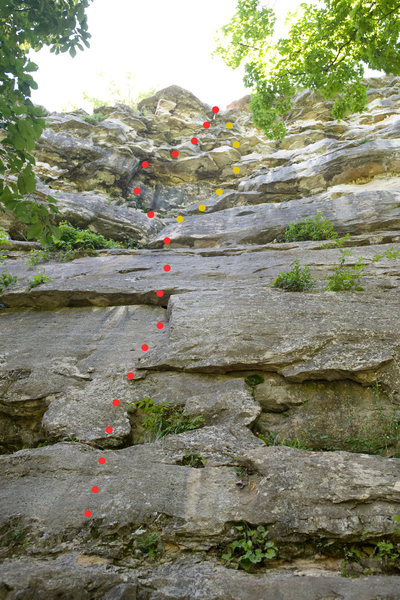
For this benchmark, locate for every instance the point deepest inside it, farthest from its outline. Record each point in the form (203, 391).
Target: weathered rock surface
(318, 371)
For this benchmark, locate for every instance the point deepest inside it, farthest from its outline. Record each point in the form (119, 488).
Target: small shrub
(350, 568)
(94, 118)
(388, 553)
(69, 238)
(38, 279)
(250, 548)
(192, 460)
(149, 545)
(3, 241)
(315, 228)
(271, 439)
(37, 256)
(253, 380)
(389, 253)
(6, 279)
(345, 278)
(164, 419)
(296, 280)
(337, 243)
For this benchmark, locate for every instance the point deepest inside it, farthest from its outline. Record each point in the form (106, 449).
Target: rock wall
(298, 392)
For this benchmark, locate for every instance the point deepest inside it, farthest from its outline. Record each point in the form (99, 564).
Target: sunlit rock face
(289, 400)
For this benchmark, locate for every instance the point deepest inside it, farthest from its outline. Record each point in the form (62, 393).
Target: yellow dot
(236, 144)
(229, 125)
(219, 192)
(202, 207)
(236, 169)
(179, 219)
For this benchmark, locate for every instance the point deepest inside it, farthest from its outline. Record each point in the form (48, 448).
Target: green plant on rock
(271, 439)
(250, 548)
(192, 459)
(314, 228)
(295, 280)
(94, 118)
(37, 256)
(149, 545)
(39, 279)
(68, 237)
(253, 380)
(164, 419)
(6, 279)
(388, 552)
(390, 253)
(346, 278)
(70, 438)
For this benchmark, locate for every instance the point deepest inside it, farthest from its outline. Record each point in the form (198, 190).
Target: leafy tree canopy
(327, 49)
(25, 25)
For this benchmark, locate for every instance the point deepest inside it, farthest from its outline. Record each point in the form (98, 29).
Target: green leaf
(34, 231)
(72, 52)
(26, 181)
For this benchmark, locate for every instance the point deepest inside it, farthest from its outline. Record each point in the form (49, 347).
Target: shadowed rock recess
(287, 402)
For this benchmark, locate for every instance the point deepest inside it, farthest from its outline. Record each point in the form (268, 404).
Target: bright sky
(160, 42)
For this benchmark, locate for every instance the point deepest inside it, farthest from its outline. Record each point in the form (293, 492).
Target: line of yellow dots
(219, 191)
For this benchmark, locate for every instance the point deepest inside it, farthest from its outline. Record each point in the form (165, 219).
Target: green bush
(69, 238)
(296, 280)
(6, 279)
(164, 419)
(250, 548)
(191, 459)
(38, 279)
(315, 228)
(253, 380)
(346, 278)
(149, 545)
(390, 253)
(37, 256)
(94, 118)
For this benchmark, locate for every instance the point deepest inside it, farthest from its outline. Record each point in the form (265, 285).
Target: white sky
(160, 42)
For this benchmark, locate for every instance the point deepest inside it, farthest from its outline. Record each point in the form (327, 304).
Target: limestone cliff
(298, 392)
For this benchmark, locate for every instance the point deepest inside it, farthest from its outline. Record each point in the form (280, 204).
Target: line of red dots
(160, 293)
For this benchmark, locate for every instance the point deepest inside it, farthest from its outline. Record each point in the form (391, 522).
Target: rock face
(283, 406)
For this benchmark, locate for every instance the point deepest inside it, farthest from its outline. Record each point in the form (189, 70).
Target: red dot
(215, 109)
(160, 293)
(88, 513)
(194, 140)
(136, 191)
(109, 429)
(102, 460)
(145, 164)
(174, 153)
(160, 325)
(116, 402)
(145, 347)
(167, 267)
(150, 214)
(167, 240)
(206, 124)
(95, 489)
(130, 375)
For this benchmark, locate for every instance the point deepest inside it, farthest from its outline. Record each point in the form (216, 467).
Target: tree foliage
(25, 25)
(327, 49)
